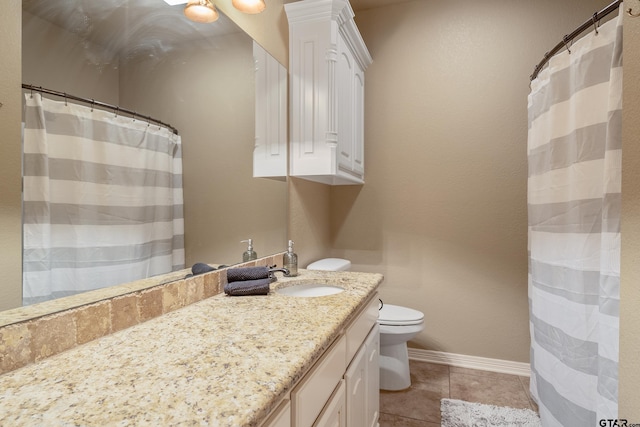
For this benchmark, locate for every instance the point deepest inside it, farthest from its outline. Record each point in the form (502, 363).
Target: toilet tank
(330, 264)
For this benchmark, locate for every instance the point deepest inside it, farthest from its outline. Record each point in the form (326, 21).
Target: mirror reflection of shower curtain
(574, 196)
(102, 200)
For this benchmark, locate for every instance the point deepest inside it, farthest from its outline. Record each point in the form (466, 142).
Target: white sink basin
(310, 290)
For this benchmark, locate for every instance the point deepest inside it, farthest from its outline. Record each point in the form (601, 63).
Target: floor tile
(413, 403)
(430, 376)
(387, 420)
(526, 384)
(497, 389)
(419, 405)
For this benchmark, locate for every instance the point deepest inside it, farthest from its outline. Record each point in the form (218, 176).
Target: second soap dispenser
(249, 254)
(290, 260)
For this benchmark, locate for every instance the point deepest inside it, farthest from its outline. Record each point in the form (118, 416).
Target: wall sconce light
(249, 6)
(204, 11)
(201, 11)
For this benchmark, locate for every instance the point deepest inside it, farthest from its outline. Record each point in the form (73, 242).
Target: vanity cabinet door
(372, 348)
(281, 417)
(363, 383)
(334, 413)
(356, 383)
(359, 329)
(315, 389)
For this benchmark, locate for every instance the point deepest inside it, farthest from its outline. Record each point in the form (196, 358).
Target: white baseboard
(471, 362)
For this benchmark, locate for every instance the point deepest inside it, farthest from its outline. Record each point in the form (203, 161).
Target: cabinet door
(372, 346)
(310, 395)
(345, 109)
(359, 329)
(281, 417)
(358, 120)
(334, 414)
(270, 151)
(356, 383)
(327, 60)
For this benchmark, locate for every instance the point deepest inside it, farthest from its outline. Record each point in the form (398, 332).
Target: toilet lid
(396, 315)
(330, 264)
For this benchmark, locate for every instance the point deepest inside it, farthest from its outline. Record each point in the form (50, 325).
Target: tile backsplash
(35, 336)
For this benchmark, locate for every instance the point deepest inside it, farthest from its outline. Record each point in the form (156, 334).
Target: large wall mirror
(146, 56)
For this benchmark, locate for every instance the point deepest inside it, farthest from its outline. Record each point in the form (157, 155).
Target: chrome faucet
(273, 270)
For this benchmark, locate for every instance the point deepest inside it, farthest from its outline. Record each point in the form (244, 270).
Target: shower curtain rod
(93, 102)
(593, 22)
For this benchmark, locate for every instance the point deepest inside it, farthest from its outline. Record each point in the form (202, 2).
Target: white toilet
(397, 326)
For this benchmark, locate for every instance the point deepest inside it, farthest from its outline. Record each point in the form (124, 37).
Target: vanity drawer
(280, 417)
(309, 397)
(358, 330)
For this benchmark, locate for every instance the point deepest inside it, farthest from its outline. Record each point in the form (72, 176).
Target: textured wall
(630, 254)
(60, 60)
(209, 96)
(10, 183)
(309, 219)
(443, 212)
(269, 28)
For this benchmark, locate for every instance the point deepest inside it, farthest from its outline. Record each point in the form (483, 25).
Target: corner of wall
(309, 219)
(10, 163)
(269, 29)
(629, 364)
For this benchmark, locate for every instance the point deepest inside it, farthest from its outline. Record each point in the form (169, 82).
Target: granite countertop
(223, 361)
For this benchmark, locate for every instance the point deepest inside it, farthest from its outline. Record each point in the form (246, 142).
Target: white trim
(471, 362)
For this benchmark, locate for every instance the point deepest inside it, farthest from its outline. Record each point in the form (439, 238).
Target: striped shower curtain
(102, 199)
(574, 154)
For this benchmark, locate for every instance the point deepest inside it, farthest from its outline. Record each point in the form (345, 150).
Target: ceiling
(127, 27)
(130, 27)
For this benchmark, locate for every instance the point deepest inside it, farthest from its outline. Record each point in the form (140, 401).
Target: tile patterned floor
(419, 405)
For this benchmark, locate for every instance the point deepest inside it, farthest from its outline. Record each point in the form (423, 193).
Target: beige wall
(269, 28)
(10, 163)
(209, 95)
(57, 59)
(535, 29)
(309, 219)
(443, 212)
(629, 373)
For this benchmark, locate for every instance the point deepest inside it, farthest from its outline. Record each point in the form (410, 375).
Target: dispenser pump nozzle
(249, 254)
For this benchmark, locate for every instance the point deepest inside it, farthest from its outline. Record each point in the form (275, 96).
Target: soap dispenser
(249, 254)
(290, 260)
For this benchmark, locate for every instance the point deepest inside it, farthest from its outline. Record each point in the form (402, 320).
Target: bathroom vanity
(273, 360)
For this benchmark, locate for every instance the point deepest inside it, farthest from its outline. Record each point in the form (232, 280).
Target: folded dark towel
(199, 268)
(248, 287)
(247, 273)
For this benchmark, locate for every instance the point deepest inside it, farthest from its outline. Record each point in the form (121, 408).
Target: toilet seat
(395, 315)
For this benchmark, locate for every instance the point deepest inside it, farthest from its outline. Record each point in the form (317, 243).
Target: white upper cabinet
(270, 151)
(327, 60)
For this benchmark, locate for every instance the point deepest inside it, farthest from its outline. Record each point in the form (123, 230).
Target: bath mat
(458, 413)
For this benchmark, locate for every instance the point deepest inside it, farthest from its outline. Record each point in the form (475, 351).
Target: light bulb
(249, 6)
(201, 11)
